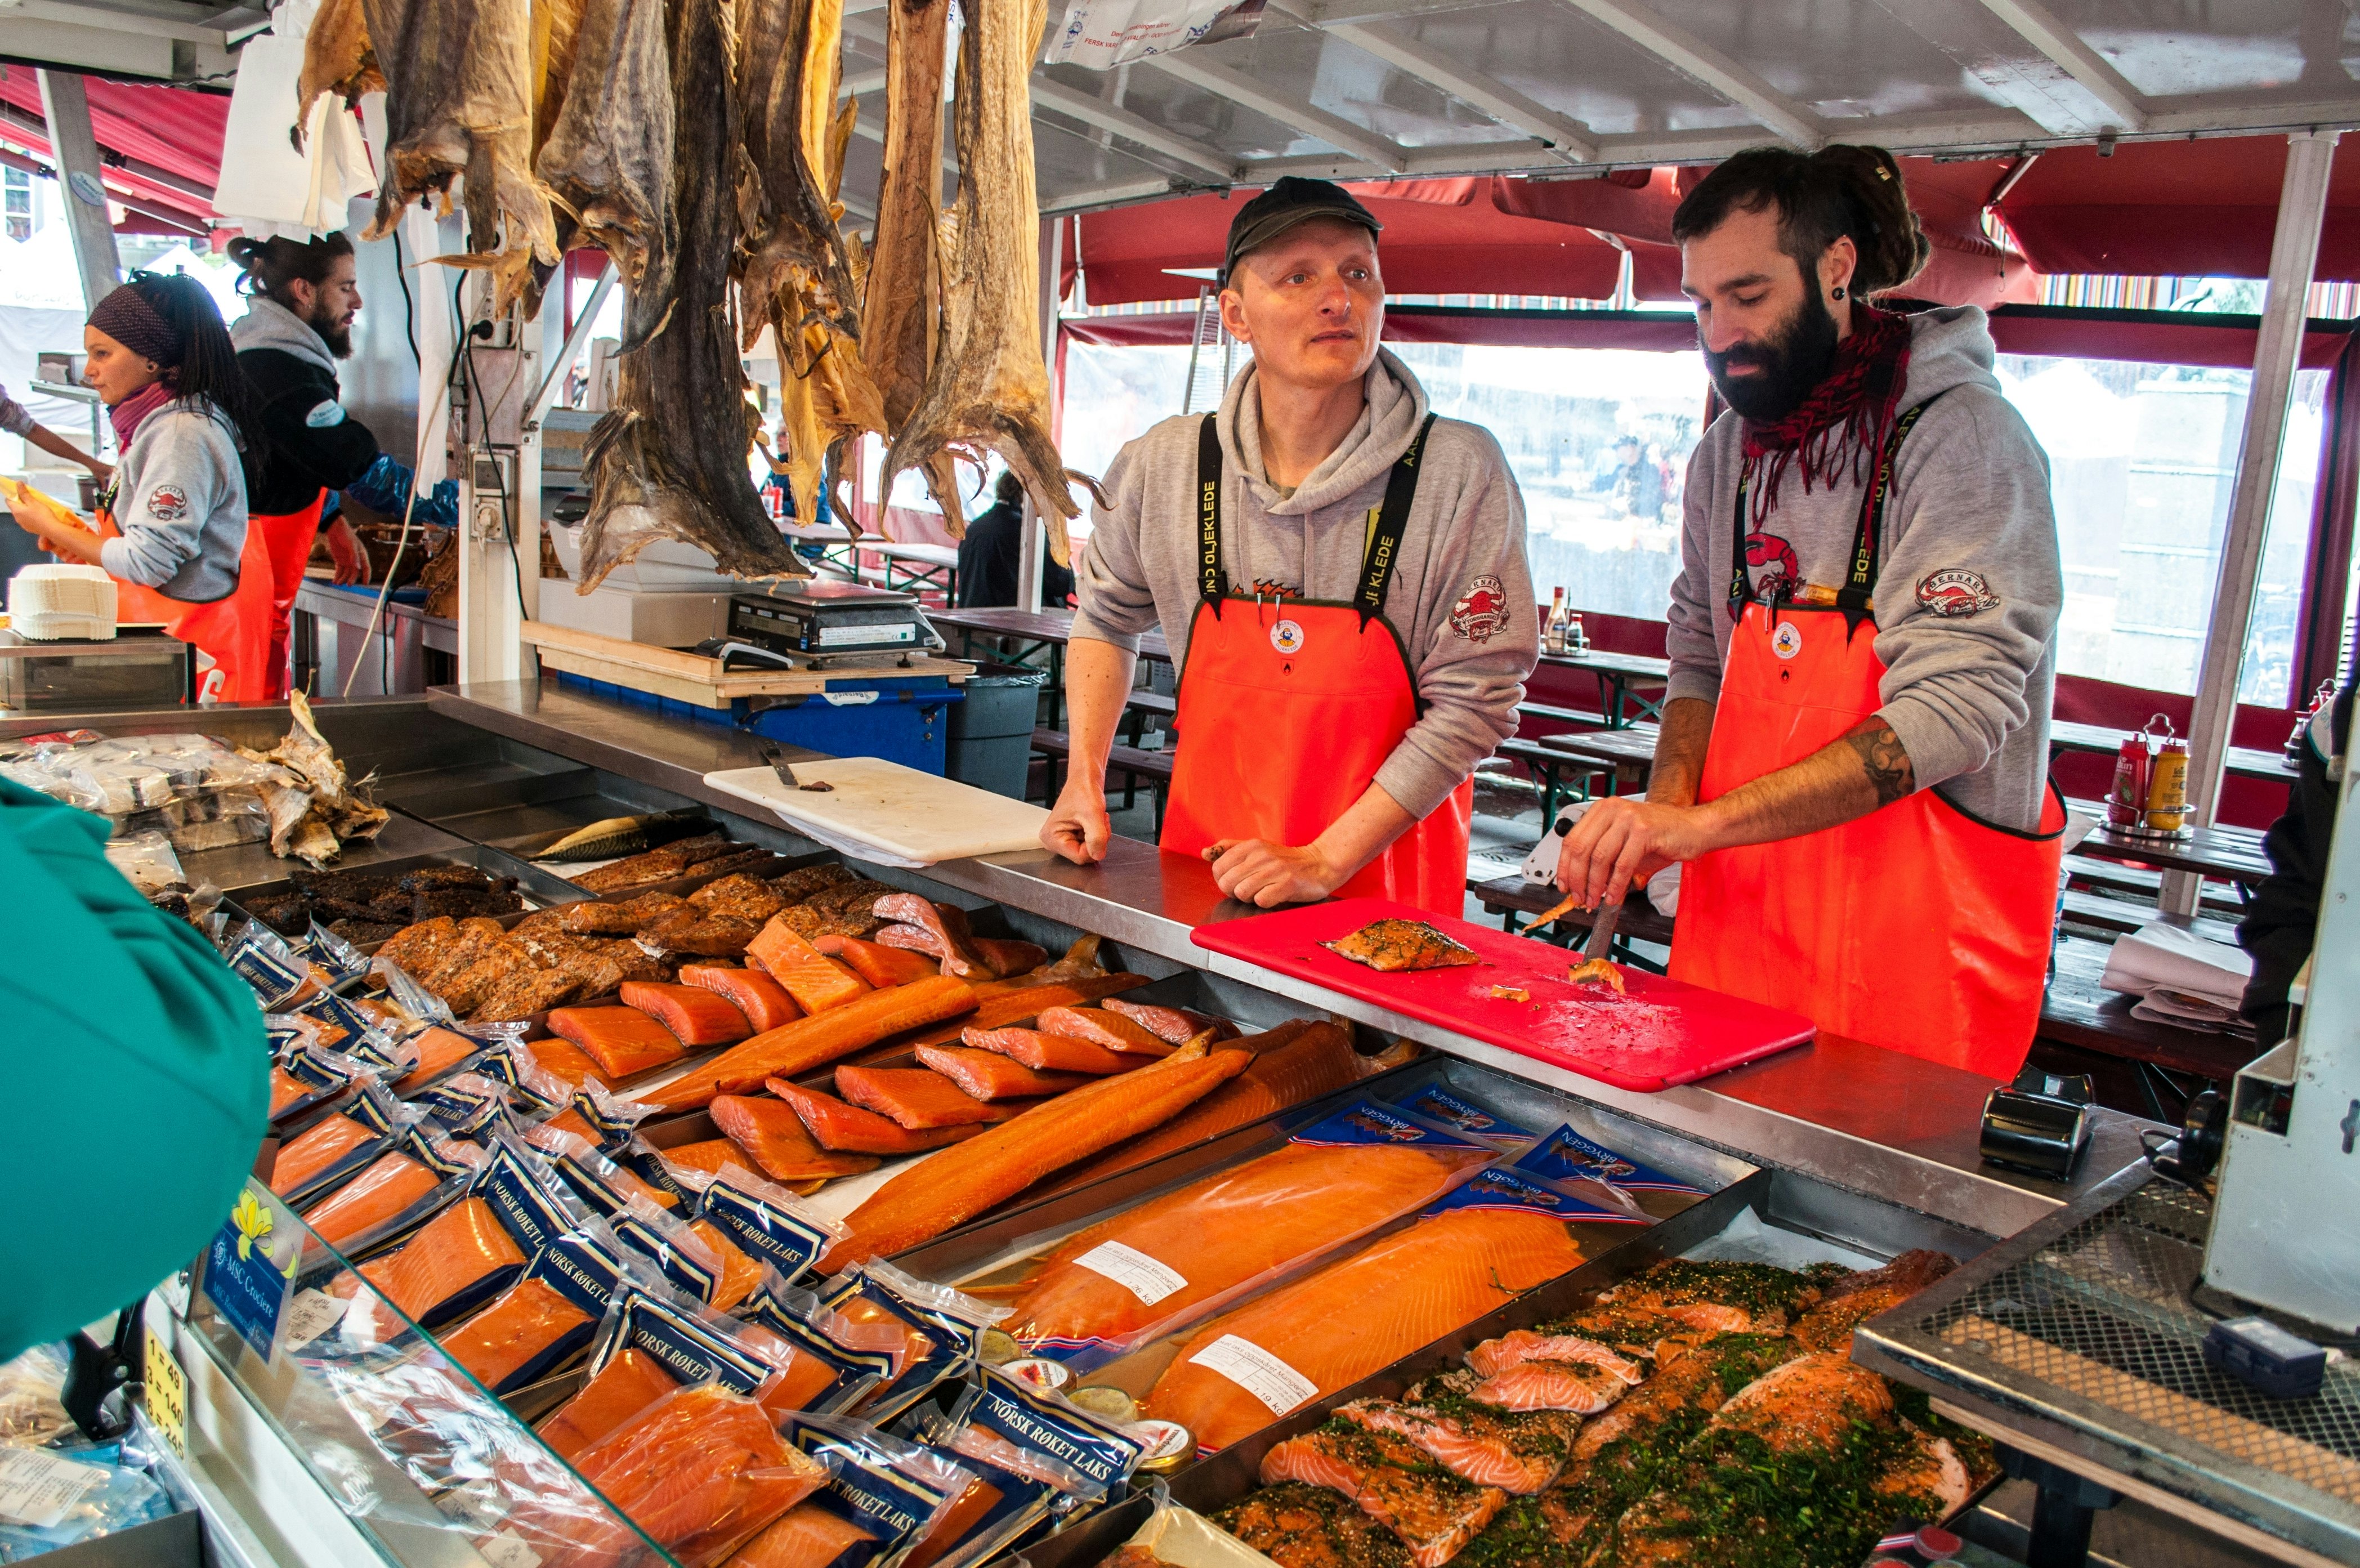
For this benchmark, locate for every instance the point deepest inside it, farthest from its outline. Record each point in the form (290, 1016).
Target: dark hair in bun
(1821, 198)
(270, 265)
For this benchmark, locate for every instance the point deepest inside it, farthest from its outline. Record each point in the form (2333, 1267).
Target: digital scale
(827, 617)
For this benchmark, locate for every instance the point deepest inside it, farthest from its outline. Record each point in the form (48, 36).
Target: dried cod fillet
(905, 300)
(987, 385)
(336, 59)
(459, 103)
(669, 461)
(609, 159)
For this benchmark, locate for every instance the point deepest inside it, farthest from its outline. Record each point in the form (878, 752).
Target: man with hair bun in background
(1854, 756)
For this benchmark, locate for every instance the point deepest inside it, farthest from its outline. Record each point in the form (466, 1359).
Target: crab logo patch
(1286, 637)
(1957, 592)
(1788, 640)
(168, 503)
(1785, 575)
(1481, 612)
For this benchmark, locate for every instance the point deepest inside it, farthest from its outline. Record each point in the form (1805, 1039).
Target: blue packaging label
(363, 1036)
(1046, 1424)
(606, 1116)
(764, 1232)
(1566, 1153)
(644, 1161)
(262, 958)
(342, 961)
(1438, 1103)
(1504, 1188)
(856, 1371)
(1366, 1122)
(583, 1268)
(868, 1493)
(465, 1107)
(526, 1208)
(307, 1065)
(691, 1351)
(946, 1357)
(676, 1265)
(283, 1032)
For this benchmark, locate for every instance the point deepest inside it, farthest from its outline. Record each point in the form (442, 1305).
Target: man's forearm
(1098, 682)
(1865, 768)
(1680, 752)
(1367, 825)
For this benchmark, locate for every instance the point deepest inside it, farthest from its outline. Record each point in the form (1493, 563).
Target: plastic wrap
(417, 1176)
(941, 1329)
(769, 1224)
(700, 1470)
(282, 976)
(883, 1497)
(1566, 1156)
(73, 1497)
(854, 1359)
(340, 1145)
(1186, 1539)
(1470, 1118)
(1035, 1457)
(305, 1075)
(29, 1412)
(147, 859)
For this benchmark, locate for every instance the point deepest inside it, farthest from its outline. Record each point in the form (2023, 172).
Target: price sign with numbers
(167, 1399)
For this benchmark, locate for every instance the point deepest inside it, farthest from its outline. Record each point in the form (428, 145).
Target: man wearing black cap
(1340, 575)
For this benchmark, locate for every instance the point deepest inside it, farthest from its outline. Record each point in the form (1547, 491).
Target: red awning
(174, 130)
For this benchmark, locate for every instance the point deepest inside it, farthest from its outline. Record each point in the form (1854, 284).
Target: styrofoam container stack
(53, 603)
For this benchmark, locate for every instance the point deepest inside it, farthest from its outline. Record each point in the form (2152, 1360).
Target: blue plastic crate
(905, 720)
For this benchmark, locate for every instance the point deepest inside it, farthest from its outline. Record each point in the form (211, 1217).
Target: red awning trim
(176, 129)
(2153, 337)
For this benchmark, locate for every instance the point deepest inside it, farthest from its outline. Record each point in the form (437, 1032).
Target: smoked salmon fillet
(1004, 955)
(806, 1538)
(1433, 1512)
(942, 927)
(301, 1160)
(935, 1195)
(458, 1250)
(506, 1336)
(816, 982)
(1293, 1064)
(998, 1003)
(695, 1014)
(439, 1050)
(1054, 1053)
(1335, 1327)
(877, 964)
(916, 1097)
(774, 1137)
(988, 1075)
(1216, 1234)
(1516, 1452)
(1100, 1027)
(740, 1274)
(287, 1092)
(817, 1040)
(1176, 1026)
(387, 1188)
(708, 1156)
(763, 1001)
(627, 1385)
(702, 1471)
(854, 1130)
(567, 1062)
(622, 1040)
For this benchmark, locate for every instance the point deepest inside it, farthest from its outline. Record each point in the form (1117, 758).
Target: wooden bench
(2085, 1028)
(2113, 876)
(1139, 705)
(1510, 896)
(1555, 714)
(1155, 766)
(1548, 766)
(2099, 912)
(1628, 755)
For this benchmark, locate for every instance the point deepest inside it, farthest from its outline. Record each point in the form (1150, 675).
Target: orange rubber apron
(231, 634)
(1288, 707)
(288, 537)
(1916, 927)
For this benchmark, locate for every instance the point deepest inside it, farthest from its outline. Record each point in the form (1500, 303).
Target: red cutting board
(1660, 1034)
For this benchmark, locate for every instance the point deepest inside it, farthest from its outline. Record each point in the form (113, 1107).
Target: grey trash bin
(991, 731)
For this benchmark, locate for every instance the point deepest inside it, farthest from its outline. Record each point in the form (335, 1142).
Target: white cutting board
(915, 819)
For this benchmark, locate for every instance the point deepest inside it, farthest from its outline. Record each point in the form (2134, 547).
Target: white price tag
(37, 1488)
(309, 1315)
(507, 1550)
(477, 1506)
(1132, 1269)
(1258, 1372)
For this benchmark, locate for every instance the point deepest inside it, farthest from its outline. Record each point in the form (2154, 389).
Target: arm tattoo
(1885, 759)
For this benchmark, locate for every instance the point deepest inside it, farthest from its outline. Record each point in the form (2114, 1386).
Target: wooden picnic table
(917, 565)
(1617, 674)
(2232, 854)
(2246, 762)
(1039, 637)
(2078, 1013)
(1630, 752)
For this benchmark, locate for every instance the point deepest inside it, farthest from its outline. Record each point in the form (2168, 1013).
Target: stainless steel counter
(1873, 1123)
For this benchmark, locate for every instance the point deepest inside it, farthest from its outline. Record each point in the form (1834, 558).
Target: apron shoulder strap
(1860, 582)
(1386, 528)
(1209, 514)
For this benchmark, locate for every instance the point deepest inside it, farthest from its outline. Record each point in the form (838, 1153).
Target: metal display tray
(540, 889)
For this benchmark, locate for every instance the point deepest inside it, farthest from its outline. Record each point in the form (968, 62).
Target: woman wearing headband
(172, 526)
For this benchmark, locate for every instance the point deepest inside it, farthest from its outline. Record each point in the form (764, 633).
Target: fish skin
(918, 1098)
(1054, 1053)
(1515, 1347)
(879, 964)
(1100, 1027)
(804, 1538)
(988, 1075)
(774, 1137)
(337, 58)
(627, 1385)
(320, 1146)
(606, 157)
(459, 1247)
(1224, 1230)
(763, 1001)
(522, 1321)
(815, 1041)
(1366, 1312)
(944, 924)
(702, 1471)
(386, 1190)
(1434, 1512)
(901, 312)
(697, 1015)
(833, 1124)
(622, 1040)
(816, 982)
(935, 1195)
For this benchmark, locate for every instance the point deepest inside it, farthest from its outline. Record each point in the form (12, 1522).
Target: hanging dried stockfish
(459, 103)
(988, 386)
(608, 160)
(336, 59)
(669, 461)
(795, 273)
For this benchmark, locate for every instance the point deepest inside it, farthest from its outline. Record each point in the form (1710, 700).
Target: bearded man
(1854, 761)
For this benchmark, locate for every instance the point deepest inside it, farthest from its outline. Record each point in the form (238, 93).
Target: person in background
(991, 554)
(303, 296)
(172, 526)
(2282, 921)
(17, 419)
(132, 1010)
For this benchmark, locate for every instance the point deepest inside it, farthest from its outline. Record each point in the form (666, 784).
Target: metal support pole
(2277, 352)
(1036, 541)
(75, 150)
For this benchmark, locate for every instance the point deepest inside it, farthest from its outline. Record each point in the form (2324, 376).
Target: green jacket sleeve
(134, 1073)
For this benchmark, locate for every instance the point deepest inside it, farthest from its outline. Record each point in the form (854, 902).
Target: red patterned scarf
(127, 415)
(1837, 430)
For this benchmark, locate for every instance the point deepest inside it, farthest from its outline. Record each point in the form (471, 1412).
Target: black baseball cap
(1291, 201)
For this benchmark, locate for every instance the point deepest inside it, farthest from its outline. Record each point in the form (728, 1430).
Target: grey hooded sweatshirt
(1461, 598)
(180, 502)
(1968, 591)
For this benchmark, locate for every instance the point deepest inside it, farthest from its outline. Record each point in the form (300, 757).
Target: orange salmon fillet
(763, 1001)
(935, 1195)
(854, 1130)
(695, 1016)
(321, 1146)
(1100, 1027)
(628, 1384)
(816, 982)
(877, 964)
(1218, 1233)
(622, 1040)
(1054, 1053)
(998, 1003)
(708, 1156)
(384, 1189)
(740, 1274)
(939, 929)
(459, 1247)
(815, 1041)
(774, 1137)
(502, 1339)
(988, 1075)
(702, 1472)
(439, 1050)
(1175, 1025)
(805, 1537)
(286, 1090)
(916, 1097)
(1365, 1312)
(566, 1061)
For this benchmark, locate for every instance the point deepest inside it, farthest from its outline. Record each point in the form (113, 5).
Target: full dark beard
(336, 334)
(1792, 362)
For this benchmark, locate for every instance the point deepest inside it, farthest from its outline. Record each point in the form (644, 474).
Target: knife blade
(776, 756)
(1599, 943)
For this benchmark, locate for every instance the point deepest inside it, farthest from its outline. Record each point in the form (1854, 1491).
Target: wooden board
(699, 678)
(1662, 1032)
(917, 817)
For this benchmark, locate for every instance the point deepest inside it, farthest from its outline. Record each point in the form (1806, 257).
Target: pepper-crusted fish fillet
(1395, 945)
(1300, 1526)
(1394, 1482)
